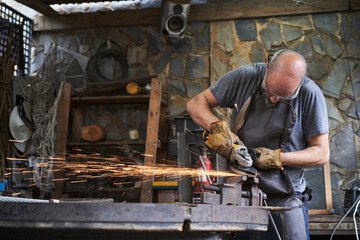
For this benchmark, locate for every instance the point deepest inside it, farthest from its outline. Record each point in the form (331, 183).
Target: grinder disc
(243, 170)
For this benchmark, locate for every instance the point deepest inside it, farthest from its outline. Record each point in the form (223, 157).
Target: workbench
(325, 224)
(128, 220)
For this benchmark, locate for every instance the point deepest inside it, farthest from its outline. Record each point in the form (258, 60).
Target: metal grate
(20, 39)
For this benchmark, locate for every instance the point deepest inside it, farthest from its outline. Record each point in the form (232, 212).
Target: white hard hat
(18, 128)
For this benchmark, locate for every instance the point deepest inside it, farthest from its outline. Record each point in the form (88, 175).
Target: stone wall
(329, 42)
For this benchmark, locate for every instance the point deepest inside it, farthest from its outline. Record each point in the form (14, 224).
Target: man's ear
(267, 65)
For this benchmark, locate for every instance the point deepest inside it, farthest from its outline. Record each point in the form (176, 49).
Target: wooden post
(151, 138)
(77, 122)
(61, 131)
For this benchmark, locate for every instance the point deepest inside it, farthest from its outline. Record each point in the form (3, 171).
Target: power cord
(355, 224)
(273, 222)
(357, 205)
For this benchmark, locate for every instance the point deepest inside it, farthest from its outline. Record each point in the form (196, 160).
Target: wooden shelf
(123, 99)
(78, 144)
(152, 143)
(110, 99)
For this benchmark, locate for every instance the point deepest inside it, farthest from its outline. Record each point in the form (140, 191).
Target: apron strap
(240, 118)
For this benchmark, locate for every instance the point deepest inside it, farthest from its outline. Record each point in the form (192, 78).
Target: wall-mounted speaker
(174, 17)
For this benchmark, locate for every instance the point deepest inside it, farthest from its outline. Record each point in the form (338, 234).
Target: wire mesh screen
(20, 28)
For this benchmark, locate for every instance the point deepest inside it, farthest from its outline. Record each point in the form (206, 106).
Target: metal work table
(131, 220)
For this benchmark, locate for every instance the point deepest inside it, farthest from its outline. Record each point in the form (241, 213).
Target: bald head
(285, 72)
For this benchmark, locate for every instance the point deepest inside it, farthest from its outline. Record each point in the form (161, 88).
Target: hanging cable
(273, 222)
(337, 225)
(355, 224)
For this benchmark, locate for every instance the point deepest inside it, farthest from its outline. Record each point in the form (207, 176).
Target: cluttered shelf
(123, 99)
(325, 225)
(113, 143)
(110, 99)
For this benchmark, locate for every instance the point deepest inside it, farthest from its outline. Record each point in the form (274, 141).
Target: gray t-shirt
(233, 89)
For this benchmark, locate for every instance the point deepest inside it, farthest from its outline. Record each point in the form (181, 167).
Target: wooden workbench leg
(151, 138)
(61, 132)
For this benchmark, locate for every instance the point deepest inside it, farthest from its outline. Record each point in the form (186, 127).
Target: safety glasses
(269, 93)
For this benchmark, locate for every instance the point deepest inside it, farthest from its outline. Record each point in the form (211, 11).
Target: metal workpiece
(148, 217)
(241, 191)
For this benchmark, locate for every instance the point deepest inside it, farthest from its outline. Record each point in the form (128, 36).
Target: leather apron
(269, 125)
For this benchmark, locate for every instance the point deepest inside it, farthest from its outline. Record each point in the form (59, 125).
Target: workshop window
(20, 27)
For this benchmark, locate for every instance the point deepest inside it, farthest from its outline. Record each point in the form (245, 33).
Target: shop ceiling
(50, 20)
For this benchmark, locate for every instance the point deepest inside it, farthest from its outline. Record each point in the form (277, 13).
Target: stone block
(177, 67)
(177, 87)
(224, 36)
(334, 114)
(137, 71)
(333, 48)
(355, 22)
(354, 111)
(196, 27)
(63, 40)
(336, 79)
(318, 69)
(298, 20)
(202, 40)
(155, 43)
(318, 45)
(352, 86)
(336, 180)
(135, 34)
(196, 67)
(258, 53)
(345, 29)
(342, 147)
(246, 29)
(344, 104)
(136, 54)
(292, 33)
(270, 34)
(353, 48)
(177, 105)
(180, 45)
(238, 59)
(326, 22)
(304, 48)
(162, 61)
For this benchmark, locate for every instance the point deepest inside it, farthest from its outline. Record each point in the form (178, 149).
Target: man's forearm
(316, 154)
(199, 109)
(201, 114)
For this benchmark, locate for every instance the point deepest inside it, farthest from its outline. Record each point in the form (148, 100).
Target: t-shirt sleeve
(315, 118)
(236, 86)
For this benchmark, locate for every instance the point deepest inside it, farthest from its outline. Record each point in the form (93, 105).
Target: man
(280, 114)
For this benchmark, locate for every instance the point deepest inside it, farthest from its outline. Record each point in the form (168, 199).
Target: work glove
(267, 158)
(227, 144)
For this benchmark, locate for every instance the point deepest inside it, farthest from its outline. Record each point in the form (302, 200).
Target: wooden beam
(355, 4)
(70, 1)
(151, 138)
(61, 132)
(201, 12)
(39, 6)
(62, 120)
(137, 17)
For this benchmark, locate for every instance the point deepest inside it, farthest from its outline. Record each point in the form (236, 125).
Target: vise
(239, 190)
